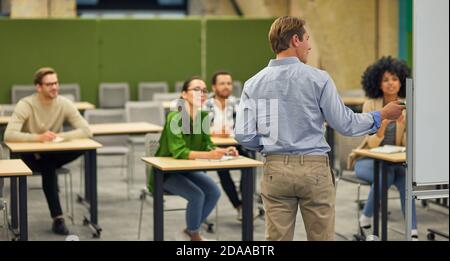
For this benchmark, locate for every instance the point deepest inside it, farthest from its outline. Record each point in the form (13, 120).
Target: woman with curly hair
(384, 82)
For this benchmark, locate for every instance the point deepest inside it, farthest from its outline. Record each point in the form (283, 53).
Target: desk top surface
(4, 120)
(14, 167)
(171, 164)
(219, 141)
(391, 157)
(70, 145)
(124, 128)
(84, 105)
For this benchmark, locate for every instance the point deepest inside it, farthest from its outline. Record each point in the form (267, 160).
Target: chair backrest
(20, 91)
(113, 95)
(152, 112)
(359, 92)
(7, 109)
(345, 147)
(162, 97)
(179, 86)
(147, 89)
(237, 89)
(70, 90)
(98, 116)
(151, 144)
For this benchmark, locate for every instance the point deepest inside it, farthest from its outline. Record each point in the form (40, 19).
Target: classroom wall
(347, 35)
(94, 51)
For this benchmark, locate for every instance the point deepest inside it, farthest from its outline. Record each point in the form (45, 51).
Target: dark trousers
(46, 164)
(227, 182)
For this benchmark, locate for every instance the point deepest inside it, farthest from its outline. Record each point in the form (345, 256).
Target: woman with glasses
(186, 136)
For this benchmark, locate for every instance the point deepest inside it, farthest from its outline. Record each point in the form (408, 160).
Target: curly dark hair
(372, 77)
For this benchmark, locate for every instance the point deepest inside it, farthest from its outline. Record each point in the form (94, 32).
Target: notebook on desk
(224, 158)
(389, 149)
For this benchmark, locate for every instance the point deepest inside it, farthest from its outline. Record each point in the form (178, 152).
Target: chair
(345, 147)
(151, 145)
(21, 91)
(7, 109)
(152, 112)
(70, 90)
(237, 89)
(113, 95)
(147, 89)
(178, 86)
(113, 145)
(163, 97)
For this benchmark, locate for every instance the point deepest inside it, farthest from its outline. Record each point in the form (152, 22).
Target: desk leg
(90, 174)
(14, 211)
(158, 207)
(384, 202)
(376, 197)
(23, 216)
(247, 204)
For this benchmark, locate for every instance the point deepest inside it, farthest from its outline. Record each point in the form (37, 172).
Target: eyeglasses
(49, 84)
(198, 89)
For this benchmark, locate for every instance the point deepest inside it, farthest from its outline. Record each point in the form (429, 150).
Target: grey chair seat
(350, 176)
(137, 139)
(113, 150)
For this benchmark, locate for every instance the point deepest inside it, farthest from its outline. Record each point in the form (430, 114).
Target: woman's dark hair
(188, 82)
(373, 76)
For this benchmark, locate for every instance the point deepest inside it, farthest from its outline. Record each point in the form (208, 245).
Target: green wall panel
(239, 46)
(69, 46)
(149, 50)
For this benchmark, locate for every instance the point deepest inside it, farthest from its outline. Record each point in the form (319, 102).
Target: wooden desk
(89, 148)
(17, 169)
(162, 165)
(380, 162)
(82, 106)
(124, 128)
(4, 120)
(230, 141)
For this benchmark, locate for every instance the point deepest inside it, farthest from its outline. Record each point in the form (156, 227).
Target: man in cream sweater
(39, 118)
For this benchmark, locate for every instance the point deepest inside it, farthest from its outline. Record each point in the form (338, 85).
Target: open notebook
(224, 158)
(388, 149)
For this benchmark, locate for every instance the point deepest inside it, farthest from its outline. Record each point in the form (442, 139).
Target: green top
(178, 143)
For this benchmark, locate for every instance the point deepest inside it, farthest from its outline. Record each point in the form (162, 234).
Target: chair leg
(142, 198)
(5, 220)
(72, 212)
(217, 222)
(129, 170)
(81, 175)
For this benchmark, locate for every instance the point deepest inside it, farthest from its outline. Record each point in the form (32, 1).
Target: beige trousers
(293, 181)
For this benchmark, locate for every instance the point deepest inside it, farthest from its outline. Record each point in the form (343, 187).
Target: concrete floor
(118, 216)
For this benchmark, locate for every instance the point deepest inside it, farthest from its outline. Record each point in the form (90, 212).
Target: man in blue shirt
(282, 113)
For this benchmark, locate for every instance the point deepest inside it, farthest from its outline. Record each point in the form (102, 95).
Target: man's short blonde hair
(283, 29)
(41, 73)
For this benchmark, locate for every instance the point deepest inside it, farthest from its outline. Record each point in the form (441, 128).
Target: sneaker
(365, 222)
(59, 227)
(414, 235)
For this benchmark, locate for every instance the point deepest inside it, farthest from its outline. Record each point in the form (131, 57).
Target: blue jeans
(396, 176)
(199, 190)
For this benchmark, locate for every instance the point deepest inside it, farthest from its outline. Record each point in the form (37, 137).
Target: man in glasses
(222, 107)
(39, 118)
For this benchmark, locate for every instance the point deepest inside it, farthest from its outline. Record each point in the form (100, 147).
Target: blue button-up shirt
(283, 109)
